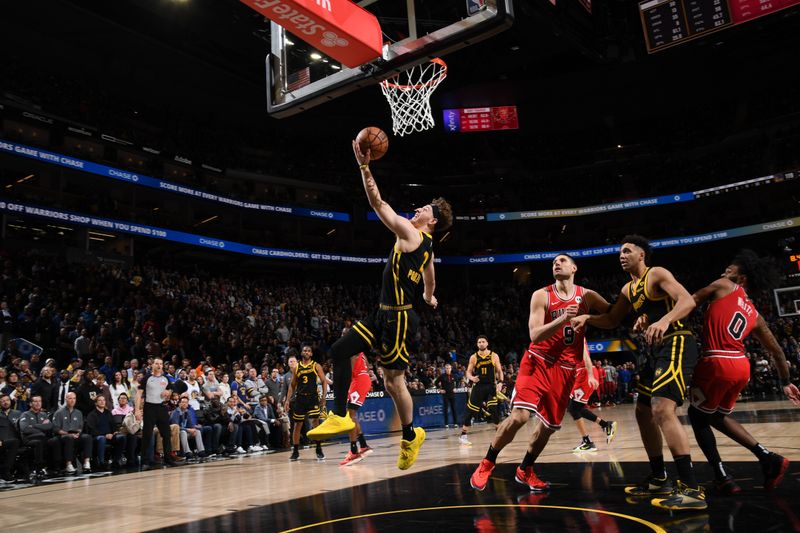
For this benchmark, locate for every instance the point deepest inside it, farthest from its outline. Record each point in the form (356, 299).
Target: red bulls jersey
(565, 346)
(727, 322)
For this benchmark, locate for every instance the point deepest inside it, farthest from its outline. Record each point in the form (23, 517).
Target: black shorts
(392, 334)
(480, 393)
(305, 405)
(668, 370)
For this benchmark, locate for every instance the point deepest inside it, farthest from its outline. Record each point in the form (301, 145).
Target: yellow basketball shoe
(332, 426)
(410, 449)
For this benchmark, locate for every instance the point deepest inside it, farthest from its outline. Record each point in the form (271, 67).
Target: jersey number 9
(569, 335)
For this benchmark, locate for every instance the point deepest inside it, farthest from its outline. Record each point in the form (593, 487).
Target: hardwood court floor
(268, 493)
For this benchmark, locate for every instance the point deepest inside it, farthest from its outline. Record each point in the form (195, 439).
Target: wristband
(364, 166)
(785, 382)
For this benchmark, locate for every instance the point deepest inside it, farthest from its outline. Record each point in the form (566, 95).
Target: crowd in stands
(230, 340)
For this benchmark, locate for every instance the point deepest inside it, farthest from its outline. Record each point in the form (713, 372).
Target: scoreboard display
(481, 119)
(670, 22)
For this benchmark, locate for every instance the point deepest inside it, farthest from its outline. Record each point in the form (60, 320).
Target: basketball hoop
(409, 96)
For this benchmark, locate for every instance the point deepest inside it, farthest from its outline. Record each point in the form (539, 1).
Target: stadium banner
(612, 345)
(669, 242)
(378, 414)
(666, 199)
(129, 228)
(592, 209)
(622, 205)
(154, 183)
(141, 230)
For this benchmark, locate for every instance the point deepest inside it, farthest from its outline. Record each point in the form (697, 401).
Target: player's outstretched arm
(763, 334)
(711, 291)
(608, 320)
(596, 303)
(540, 331)
(429, 281)
(400, 226)
(684, 303)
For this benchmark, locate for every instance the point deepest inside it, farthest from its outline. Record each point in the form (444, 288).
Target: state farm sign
(338, 28)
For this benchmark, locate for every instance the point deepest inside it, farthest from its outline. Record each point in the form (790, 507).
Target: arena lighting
(103, 234)
(331, 232)
(209, 219)
(315, 56)
(444, 237)
(97, 239)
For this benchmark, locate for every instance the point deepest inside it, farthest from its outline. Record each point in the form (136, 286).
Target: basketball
(373, 139)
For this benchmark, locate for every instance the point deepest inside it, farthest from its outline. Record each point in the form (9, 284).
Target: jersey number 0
(737, 325)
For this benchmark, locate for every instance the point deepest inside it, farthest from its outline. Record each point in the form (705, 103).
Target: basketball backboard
(300, 77)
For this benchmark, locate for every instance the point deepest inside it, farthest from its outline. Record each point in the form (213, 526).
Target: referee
(151, 398)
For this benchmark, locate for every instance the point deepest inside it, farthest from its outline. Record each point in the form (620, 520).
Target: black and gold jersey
(403, 274)
(655, 308)
(484, 368)
(307, 378)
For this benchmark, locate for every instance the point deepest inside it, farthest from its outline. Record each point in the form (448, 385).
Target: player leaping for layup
(392, 327)
(547, 371)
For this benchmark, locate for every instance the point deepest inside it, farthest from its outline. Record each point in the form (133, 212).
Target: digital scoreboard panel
(670, 22)
(481, 119)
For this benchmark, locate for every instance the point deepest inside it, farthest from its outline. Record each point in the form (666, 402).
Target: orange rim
(434, 81)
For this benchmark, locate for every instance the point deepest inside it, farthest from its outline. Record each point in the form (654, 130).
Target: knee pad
(575, 409)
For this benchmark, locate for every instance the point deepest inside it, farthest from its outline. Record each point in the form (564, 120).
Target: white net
(409, 96)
